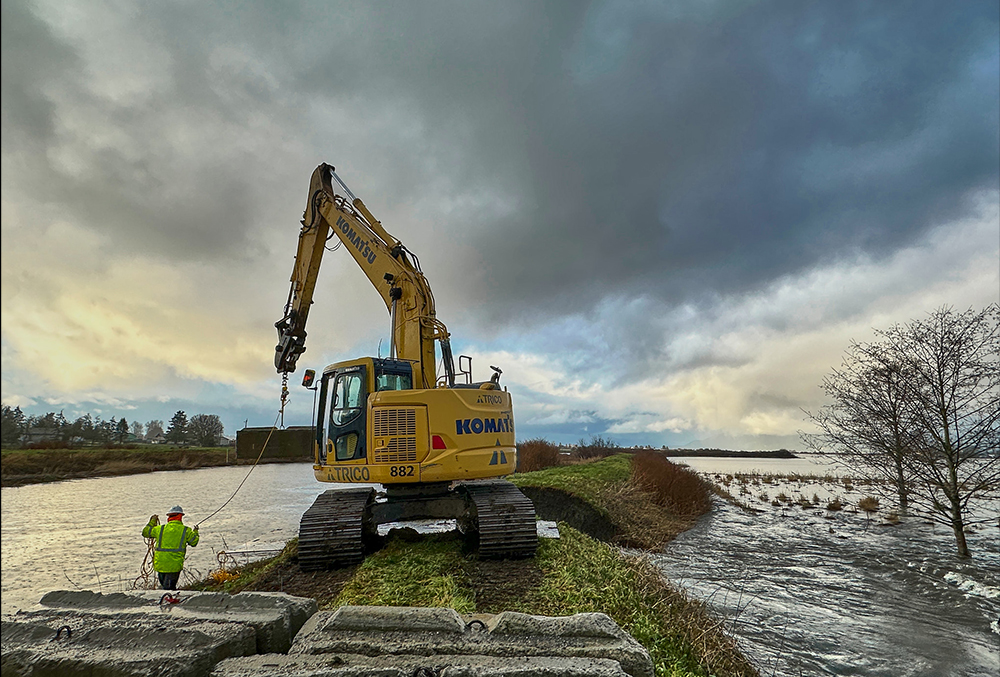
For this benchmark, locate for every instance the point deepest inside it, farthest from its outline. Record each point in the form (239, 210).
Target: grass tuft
(869, 504)
(407, 574)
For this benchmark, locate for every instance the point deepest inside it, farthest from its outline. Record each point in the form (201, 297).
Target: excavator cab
(342, 426)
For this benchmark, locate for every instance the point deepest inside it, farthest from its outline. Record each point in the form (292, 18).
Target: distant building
(293, 443)
(40, 434)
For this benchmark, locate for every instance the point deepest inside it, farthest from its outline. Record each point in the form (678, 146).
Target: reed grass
(869, 504)
(536, 454)
(673, 486)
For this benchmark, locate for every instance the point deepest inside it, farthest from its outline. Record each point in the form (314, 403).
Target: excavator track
(505, 518)
(331, 532)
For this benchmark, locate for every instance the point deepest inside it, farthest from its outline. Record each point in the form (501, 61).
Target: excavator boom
(392, 269)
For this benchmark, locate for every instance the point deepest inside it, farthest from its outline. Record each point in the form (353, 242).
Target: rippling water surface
(809, 592)
(86, 533)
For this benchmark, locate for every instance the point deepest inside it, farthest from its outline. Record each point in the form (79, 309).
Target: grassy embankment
(571, 575)
(32, 466)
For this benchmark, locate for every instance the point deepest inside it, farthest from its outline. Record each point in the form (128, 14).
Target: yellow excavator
(437, 445)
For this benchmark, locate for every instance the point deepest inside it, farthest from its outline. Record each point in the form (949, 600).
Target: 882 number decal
(402, 471)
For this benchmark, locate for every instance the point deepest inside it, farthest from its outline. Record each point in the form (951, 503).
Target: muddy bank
(559, 506)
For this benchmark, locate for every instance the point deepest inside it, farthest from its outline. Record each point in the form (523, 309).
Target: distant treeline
(55, 431)
(728, 453)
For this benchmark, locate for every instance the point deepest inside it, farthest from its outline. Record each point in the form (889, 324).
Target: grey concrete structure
(411, 631)
(142, 636)
(345, 665)
(259, 634)
(105, 645)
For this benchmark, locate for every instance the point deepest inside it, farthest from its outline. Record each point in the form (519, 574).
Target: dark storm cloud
(662, 149)
(652, 152)
(164, 169)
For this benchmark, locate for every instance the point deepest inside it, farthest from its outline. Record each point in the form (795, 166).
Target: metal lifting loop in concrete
(69, 633)
(477, 622)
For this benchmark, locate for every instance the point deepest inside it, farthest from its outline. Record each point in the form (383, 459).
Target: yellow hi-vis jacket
(170, 543)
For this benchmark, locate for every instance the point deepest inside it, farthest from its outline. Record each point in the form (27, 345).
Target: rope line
(259, 456)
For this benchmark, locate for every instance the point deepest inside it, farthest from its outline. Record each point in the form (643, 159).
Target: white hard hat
(176, 510)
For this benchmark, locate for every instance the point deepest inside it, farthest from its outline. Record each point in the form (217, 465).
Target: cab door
(346, 433)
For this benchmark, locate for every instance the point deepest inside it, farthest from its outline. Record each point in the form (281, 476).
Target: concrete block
(407, 666)
(408, 631)
(578, 625)
(387, 618)
(274, 616)
(105, 645)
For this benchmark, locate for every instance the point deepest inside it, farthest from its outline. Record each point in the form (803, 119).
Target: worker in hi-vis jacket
(170, 542)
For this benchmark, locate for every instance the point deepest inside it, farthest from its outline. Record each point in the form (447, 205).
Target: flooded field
(809, 591)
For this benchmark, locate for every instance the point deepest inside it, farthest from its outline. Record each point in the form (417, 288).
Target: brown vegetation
(598, 447)
(639, 521)
(536, 454)
(677, 488)
(868, 504)
(21, 467)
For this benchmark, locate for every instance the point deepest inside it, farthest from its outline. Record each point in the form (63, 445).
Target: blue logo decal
(475, 426)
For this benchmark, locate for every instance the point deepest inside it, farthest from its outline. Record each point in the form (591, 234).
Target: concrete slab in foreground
(259, 634)
(340, 665)
(405, 640)
(135, 634)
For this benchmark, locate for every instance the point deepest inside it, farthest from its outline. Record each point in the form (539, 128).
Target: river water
(86, 533)
(813, 592)
(806, 592)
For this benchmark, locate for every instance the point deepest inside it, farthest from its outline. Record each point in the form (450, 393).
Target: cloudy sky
(664, 220)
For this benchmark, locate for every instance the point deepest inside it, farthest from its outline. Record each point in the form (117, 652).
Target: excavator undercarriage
(342, 524)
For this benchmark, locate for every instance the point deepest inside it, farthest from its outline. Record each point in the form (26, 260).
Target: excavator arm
(391, 268)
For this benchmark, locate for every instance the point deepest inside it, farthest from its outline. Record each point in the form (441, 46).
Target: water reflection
(86, 533)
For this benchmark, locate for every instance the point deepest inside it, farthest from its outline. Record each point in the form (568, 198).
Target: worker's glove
(155, 519)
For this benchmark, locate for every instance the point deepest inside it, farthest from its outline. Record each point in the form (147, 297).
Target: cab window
(389, 381)
(348, 398)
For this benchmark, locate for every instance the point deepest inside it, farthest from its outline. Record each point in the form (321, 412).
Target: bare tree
(866, 425)
(137, 429)
(954, 398)
(920, 412)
